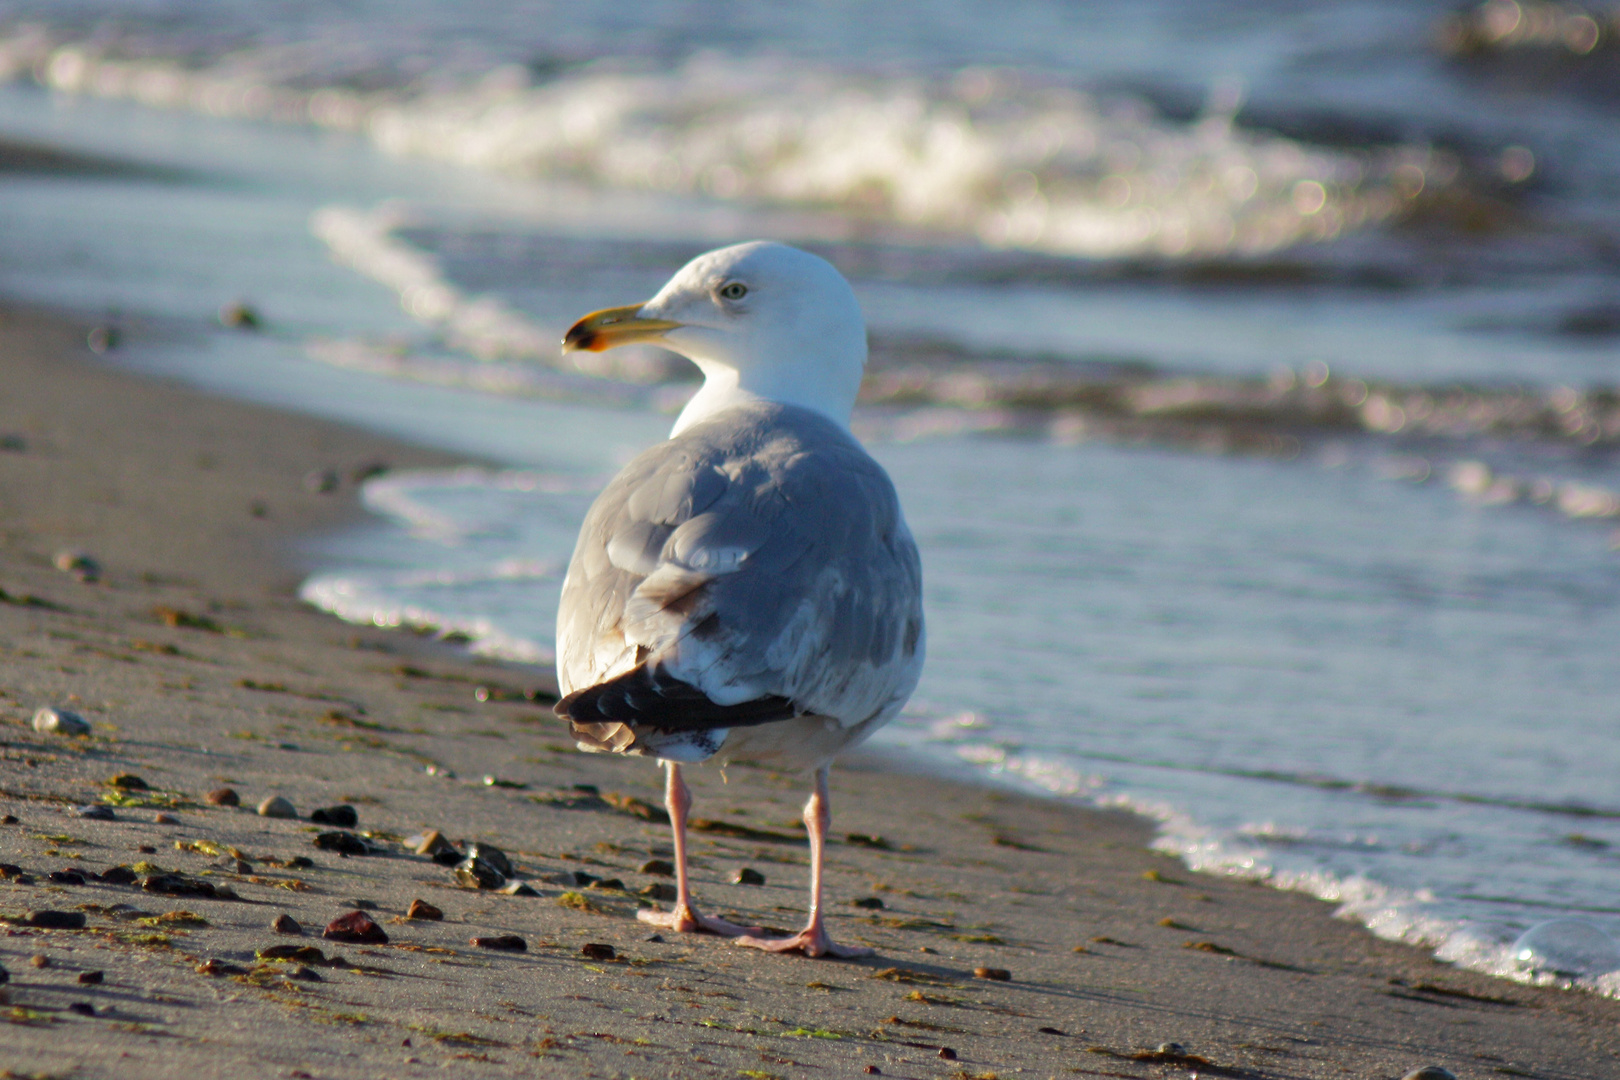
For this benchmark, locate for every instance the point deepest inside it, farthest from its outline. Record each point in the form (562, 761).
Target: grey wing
(725, 580)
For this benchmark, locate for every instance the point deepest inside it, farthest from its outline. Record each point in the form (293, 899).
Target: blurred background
(1248, 371)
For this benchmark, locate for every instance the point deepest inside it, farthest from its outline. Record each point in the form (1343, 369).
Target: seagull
(747, 590)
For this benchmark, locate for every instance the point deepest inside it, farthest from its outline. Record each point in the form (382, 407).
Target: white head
(762, 320)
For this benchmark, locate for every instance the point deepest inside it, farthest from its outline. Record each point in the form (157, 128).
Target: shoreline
(198, 668)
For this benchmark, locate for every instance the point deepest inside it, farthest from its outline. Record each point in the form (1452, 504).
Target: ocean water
(1249, 376)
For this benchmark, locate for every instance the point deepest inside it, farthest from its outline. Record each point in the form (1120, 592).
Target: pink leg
(813, 939)
(684, 918)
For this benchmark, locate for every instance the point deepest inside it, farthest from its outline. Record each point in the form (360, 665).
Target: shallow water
(1370, 657)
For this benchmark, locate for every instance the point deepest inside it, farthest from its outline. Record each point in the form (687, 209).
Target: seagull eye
(734, 290)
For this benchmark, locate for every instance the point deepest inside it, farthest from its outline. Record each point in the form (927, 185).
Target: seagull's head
(762, 320)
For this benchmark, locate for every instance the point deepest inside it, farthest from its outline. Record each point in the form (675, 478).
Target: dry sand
(198, 669)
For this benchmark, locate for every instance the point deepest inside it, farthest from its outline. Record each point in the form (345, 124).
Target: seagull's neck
(724, 387)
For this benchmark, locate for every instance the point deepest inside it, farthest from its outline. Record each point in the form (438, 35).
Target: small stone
(596, 950)
(304, 954)
(90, 978)
(163, 818)
(285, 924)
(8, 819)
(78, 563)
(993, 974)
(66, 877)
(660, 867)
(129, 782)
(430, 843)
(872, 902)
(118, 875)
(1430, 1072)
(83, 1008)
(321, 481)
(10, 870)
(610, 883)
(219, 968)
(343, 816)
(947, 1054)
(492, 855)
(505, 942)
(55, 920)
(872, 1070)
(475, 873)
(356, 928)
(1174, 1049)
(581, 878)
(304, 974)
(659, 938)
(658, 890)
(146, 849)
(448, 857)
(496, 781)
(421, 909)
(236, 866)
(344, 843)
(748, 876)
(39, 960)
(60, 722)
(223, 797)
(518, 888)
(363, 905)
(94, 812)
(277, 807)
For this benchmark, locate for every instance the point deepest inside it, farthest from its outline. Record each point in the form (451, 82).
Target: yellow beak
(612, 327)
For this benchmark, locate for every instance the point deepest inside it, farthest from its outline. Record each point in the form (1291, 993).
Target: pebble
(1003, 975)
(1430, 1072)
(871, 902)
(518, 888)
(94, 812)
(146, 849)
(90, 978)
(181, 885)
(475, 873)
(39, 960)
(67, 877)
(55, 920)
(10, 870)
(748, 876)
(661, 867)
(344, 843)
(430, 843)
(304, 974)
(60, 722)
(356, 928)
(1174, 1049)
(235, 865)
(304, 954)
(872, 1070)
(83, 1008)
(223, 797)
(506, 942)
(609, 883)
(448, 857)
(596, 950)
(947, 1054)
(421, 909)
(285, 924)
(218, 968)
(492, 855)
(164, 818)
(658, 890)
(79, 564)
(119, 875)
(343, 816)
(8, 819)
(277, 807)
(5, 976)
(128, 781)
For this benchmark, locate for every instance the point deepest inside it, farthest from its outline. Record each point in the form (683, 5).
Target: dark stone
(448, 856)
(660, 867)
(55, 920)
(475, 873)
(300, 862)
(90, 978)
(181, 885)
(343, 816)
(344, 843)
(223, 797)
(95, 812)
(581, 878)
(146, 849)
(66, 877)
(356, 928)
(304, 974)
(129, 782)
(596, 950)
(608, 883)
(421, 909)
(748, 876)
(118, 875)
(518, 888)
(83, 1008)
(304, 954)
(659, 890)
(492, 855)
(871, 902)
(506, 942)
(218, 968)
(993, 974)
(285, 924)
(5, 976)
(10, 870)
(947, 1054)
(8, 819)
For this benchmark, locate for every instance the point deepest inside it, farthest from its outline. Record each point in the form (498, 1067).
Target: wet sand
(198, 669)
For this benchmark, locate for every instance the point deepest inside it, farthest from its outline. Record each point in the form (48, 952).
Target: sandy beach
(1013, 936)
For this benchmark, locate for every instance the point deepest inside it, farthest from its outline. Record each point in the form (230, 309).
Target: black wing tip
(650, 697)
